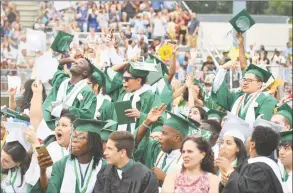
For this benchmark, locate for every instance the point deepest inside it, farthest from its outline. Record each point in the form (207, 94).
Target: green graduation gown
(106, 110)
(58, 174)
(264, 103)
(83, 108)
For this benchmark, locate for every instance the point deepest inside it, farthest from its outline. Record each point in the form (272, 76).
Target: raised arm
(12, 100)
(36, 113)
(242, 57)
(172, 69)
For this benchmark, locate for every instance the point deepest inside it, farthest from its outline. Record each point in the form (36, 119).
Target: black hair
(207, 163)
(286, 143)
(203, 114)
(95, 148)
(241, 154)
(90, 67)
(69, 116)
(18, 154)
(94, 81)
(28, 95)
(266, 140)
(216, 128)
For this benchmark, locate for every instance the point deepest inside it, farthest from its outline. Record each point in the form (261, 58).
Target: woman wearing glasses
(197, 173)
(78, 171)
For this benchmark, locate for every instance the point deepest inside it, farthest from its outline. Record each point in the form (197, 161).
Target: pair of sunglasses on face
(127, 78)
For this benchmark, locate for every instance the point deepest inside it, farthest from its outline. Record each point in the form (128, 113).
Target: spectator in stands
(43, 8)
(14, 36)
(6, 28)
(53, 14)
(171, 27)
(277, 58)
(170, 5)
(113, 18)
(263, 60)
(103, 19)
(39, 25)
(17, 21)
(10, 14)
(81, 16)
(193, 27)
(156, 5)
(132, 50)
(92, 20)
(182, 33)
(130, 8)
(74, 27)
(288, 50)
(158, 26)
(85, 49)
(140, 25)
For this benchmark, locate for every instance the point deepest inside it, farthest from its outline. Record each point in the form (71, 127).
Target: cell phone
(43, 150)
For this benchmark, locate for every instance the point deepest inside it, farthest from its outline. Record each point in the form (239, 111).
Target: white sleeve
(32, 175)
(218, 81)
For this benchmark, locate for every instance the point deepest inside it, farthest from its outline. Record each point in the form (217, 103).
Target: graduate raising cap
(141, 69)
(283, 116)
(62, 42)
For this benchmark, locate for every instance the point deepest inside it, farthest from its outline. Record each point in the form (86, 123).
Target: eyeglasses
(78, 138)
(126, 79)
(248, 80)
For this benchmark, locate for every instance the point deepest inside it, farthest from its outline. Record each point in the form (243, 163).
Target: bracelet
(145, 125)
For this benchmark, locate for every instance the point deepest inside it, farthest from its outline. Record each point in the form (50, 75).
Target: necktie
(164, 161)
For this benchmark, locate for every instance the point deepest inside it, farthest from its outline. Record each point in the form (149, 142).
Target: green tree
(279, 8)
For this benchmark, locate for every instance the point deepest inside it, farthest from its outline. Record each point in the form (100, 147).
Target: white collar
(174, 153)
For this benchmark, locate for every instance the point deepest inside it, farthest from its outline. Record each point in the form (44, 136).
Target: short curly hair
(266, 140)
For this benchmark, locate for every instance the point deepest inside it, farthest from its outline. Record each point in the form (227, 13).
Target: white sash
(67, 99)
(274, 166)
(100, 100)
(136, 98)
(176, 160)
(69, 179)
(250, 115)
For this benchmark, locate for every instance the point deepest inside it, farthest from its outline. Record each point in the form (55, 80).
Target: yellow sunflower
(165, 52)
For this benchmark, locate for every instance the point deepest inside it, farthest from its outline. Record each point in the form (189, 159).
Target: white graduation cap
(16, 133)
(262, 122)
(236, 127)
(36, 40)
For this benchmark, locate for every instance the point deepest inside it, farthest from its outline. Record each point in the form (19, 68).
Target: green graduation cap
(192, 123)
(177, 122)
(242, 21)
(141, 69)
(263, 74)
(7, 112)
(286, 136)
(213, 113)
(62, 42)
(286, 111)
(154, 77)
(159, 61)
(52, 123)
(89, 125)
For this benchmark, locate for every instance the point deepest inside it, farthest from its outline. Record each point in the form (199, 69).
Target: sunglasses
(126, 79)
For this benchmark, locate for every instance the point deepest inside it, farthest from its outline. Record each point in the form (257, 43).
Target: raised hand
(37, 88)
(12, 91)
(231, 65)
(240, 38)
(156, 113)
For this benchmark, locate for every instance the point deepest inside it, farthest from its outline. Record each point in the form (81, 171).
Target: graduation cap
(7, 112)
(236, 127)
(108, 129)
(213, 113)
(154, 77)
(192, 123)
(286, 136)
(177, 122)
(141, 69)
(62, 42)
(89, 125)
(16, 133)
(52, 123)
(262, 122)
(242, 21)
(159, 61)
(263, 74)
(206, 134)
(286, 111)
